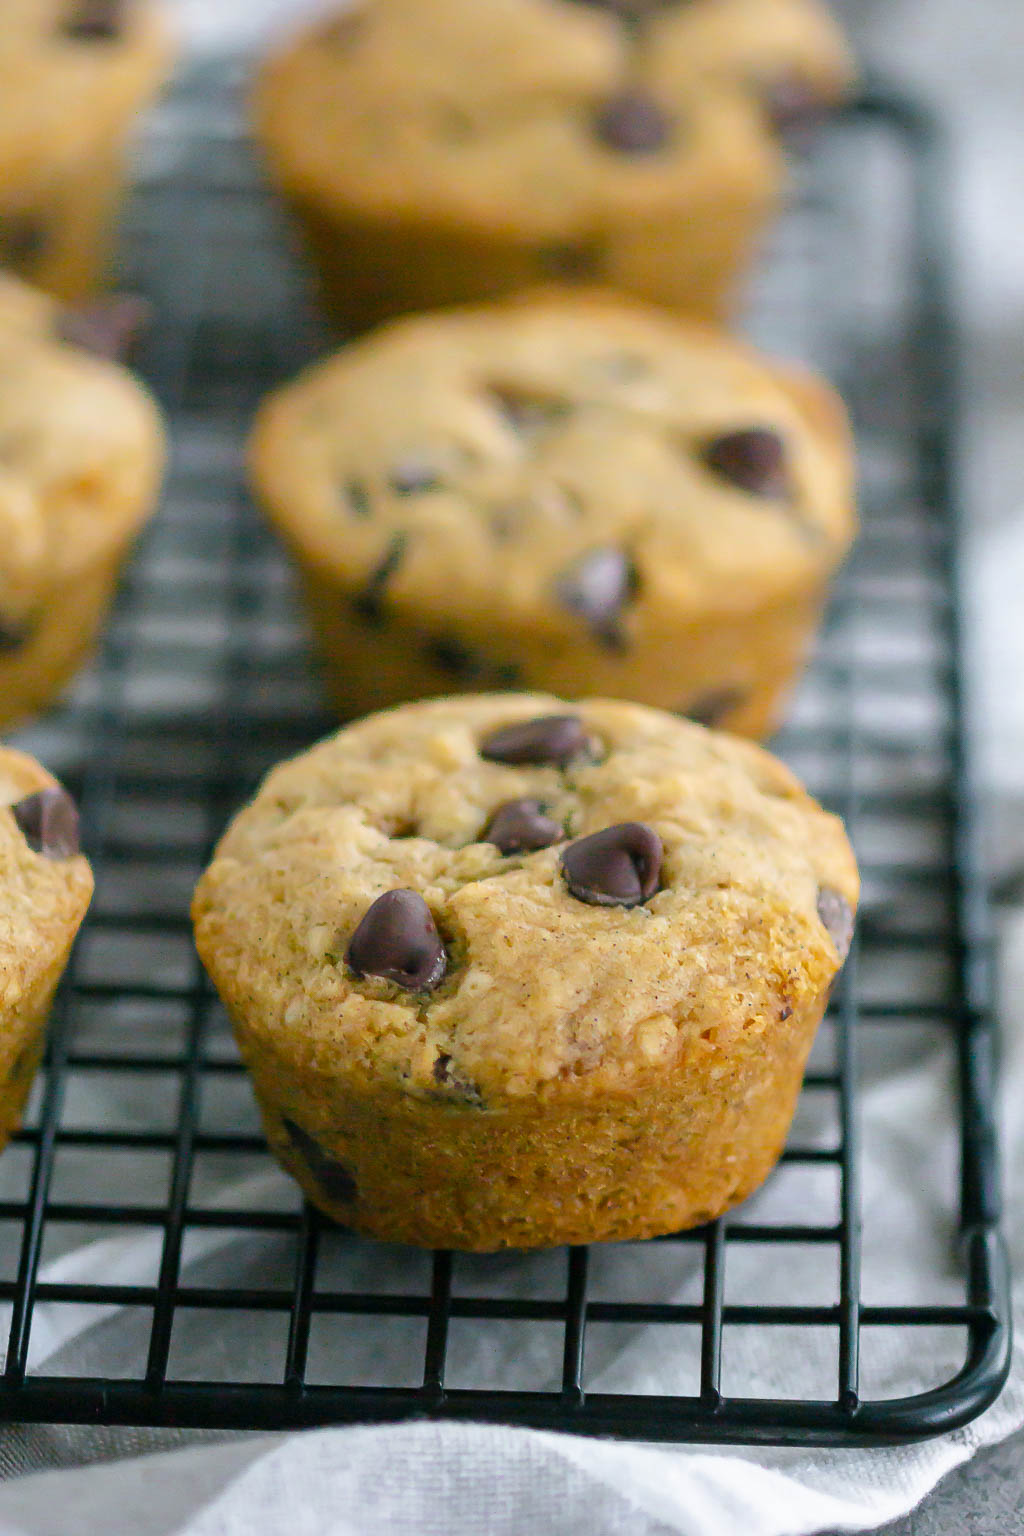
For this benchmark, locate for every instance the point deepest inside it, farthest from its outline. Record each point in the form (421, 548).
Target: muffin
(456, 151)
(47, 886)
(79, 473)
(571, 493)
(74, 74)
(510, 972)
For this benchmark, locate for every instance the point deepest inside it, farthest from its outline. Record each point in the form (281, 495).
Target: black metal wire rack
(140, 1193)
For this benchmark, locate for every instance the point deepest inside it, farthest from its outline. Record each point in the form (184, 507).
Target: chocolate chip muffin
(457, 151)
(569, 493)
(511, 972)
(46, 886)
(74, 74)
(81, 452)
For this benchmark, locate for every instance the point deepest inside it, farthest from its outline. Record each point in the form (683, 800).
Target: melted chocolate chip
(343, 31)
(369, 604)
(411, 477)
(632, 123)
(451, 656)
(630, 12)
(397, 939)
(109, 327)
(22, 241)
(617, 867)
(753, 459)
(553, 739)
(358, 498)
(337, 1183)
(48, 821)
(445, 1076)
(837, 916)
(597, 587)
(505, 523)
(94, 20)
(520, 826)
(573, 261)
(526, 410)
(712, 708)
(14, 634)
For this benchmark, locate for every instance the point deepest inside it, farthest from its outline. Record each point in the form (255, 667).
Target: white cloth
(429, 1479)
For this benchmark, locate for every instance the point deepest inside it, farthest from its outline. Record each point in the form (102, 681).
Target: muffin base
(22, 1042)
(64, 633)
(60, 235)
(674, 1150)
(735, 672)
(372, 270)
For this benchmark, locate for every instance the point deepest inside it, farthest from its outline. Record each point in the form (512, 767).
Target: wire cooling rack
(140, 1193)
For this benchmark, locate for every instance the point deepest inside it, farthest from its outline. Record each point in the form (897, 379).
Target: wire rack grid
(141, 1146)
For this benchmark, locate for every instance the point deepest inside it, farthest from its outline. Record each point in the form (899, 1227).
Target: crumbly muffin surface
(543, 994)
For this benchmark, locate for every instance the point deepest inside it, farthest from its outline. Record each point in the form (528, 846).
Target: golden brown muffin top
(539, 117)
(560, 461)
(70, 71)
(730, 907)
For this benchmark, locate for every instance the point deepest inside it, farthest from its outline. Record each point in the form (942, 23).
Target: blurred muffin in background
(565, 492)
(74, 75)
(454, 151)
(80, 472)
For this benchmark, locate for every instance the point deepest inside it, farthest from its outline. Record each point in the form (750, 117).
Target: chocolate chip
(753, 459)
(451, 656)
(573, 261)
(109, 327)
(837, 915)
(22, 241)
(597, 587)
(546, 739)
(505, 523)
(632, 123)
(527, 410)
(94, 20)
(343, 31)
(411, 477)
(332, 1177)
(49, 822)
(617, 867)
(630, 11)
(714, 707)
(398, 940)
(793, 104)
(447, 1077)
(14, 634)
(358, 498)
(520, 826)
(369, 604)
